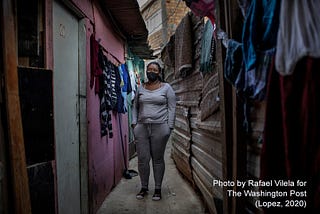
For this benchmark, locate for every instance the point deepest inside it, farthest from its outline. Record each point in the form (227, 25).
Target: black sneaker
(157, 195)
(142, 193)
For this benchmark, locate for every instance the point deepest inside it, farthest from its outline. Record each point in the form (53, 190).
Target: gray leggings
(151, 140)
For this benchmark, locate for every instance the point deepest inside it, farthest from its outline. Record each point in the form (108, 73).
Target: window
(30, 33)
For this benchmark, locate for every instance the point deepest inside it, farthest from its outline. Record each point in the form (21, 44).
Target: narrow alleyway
(177, 194)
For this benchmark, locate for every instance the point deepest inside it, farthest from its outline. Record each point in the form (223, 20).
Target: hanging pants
(151, 140)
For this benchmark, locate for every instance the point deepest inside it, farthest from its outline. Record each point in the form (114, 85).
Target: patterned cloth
(106, 101)
(202, 8)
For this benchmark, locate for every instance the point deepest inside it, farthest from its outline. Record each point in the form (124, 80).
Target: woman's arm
(171, 97)
(135, 109)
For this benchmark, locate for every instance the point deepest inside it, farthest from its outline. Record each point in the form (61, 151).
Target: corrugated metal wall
(196, 139)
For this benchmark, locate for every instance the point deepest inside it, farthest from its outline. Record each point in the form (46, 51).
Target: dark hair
(155, 63)
(161, 77)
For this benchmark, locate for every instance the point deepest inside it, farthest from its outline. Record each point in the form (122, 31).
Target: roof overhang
(127, 17)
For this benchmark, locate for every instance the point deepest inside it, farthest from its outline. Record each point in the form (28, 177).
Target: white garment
(132, 78)
(299, 33)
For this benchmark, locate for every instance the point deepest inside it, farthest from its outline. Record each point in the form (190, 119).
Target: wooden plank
(209, 143)
(225, 106)
(206, 178)
(208, 162)
(181, 159)
(3, 166)
(183, 125)
(48, 53)
(210, 103)
(181, 140)
(212, 125)
(21, 197)
(239, 162)
(208, 198)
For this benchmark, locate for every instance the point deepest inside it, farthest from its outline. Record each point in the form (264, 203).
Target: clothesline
(107, 52)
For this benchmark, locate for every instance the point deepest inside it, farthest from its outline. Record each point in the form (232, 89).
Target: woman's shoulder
(165, 84)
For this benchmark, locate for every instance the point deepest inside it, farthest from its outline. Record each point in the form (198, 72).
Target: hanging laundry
(233, 65)
(258, 45)
(234, 73)
(255, 82)
(119, 107)
(126, 79)
(126, 86)
(183, 47)
(105, 100)
(292, 131)
(259, 30)
(113, 84)
(133, 83)
(202, 8)
(169, 51)
(96, 69)
(243, 5)
(208, 46)
(299, 33)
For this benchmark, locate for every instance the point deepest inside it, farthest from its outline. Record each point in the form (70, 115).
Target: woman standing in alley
(153, 116)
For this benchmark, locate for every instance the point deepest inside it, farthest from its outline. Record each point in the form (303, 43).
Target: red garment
(203, 8)
(291, 147)
(96, 70)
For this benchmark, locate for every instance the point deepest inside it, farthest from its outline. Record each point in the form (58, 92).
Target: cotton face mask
(152, 77)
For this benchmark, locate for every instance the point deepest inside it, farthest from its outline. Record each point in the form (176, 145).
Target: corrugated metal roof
(127, 17)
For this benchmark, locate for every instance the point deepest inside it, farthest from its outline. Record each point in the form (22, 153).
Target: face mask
(152, 77)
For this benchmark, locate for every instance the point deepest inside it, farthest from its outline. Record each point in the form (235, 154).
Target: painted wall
(105, 156)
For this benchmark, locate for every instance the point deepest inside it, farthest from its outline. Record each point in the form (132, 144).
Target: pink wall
(105, 155)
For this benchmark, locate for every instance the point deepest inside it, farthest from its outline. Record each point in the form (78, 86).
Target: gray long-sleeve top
(154, 106)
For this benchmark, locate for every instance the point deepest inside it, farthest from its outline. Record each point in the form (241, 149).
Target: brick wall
(172, 13)
(178, 9)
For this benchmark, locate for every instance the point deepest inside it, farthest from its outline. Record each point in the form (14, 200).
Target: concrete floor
(178, 196)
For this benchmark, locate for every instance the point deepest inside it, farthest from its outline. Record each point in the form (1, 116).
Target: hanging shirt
(259, 30)
(299, 33)
(105, 100)
(207, 48)
(96, 69)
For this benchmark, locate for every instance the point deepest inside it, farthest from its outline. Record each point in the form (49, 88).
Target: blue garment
(126, 79)
(256, 80)
(125, 86)
(259, 39)
(233, 64)
(120, 100)
(259, 30)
